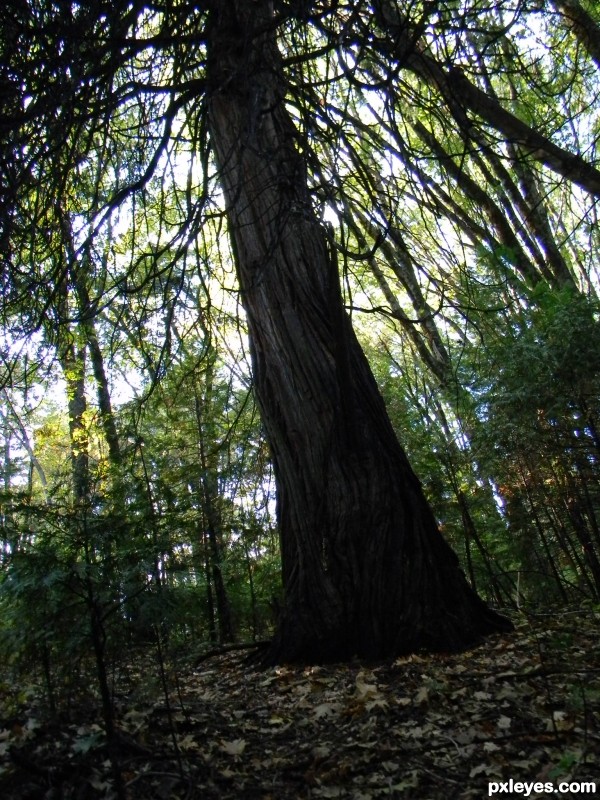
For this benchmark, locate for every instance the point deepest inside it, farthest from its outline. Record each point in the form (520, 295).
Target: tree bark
(365, 570)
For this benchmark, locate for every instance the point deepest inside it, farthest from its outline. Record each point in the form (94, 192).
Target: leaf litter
(524, 706)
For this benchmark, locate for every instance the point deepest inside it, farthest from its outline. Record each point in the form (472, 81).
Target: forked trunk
(365, 569)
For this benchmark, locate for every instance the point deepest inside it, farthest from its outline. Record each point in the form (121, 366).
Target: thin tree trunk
(365, 570)
(24, 440)
(210, 603)
(88, 325)
(210, 501)
(72, 360)
(104, 401)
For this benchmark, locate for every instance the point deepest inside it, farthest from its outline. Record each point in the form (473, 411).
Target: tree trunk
(365, 570)
(72, 361)
(209, 498)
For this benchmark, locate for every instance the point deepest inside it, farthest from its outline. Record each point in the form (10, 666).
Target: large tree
(365, 569)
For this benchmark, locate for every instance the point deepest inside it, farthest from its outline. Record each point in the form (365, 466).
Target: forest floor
(525, 707)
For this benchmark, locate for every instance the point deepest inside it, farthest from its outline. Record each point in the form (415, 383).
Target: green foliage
(538, 408)
(45, 624)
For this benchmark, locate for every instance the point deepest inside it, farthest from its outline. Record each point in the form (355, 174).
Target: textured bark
(365, 569)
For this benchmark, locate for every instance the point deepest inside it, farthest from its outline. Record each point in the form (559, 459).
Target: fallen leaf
(326, 710)
(329, 791)
(320, 752)
(234, 748)
(189, 743)
(377, 702)
(490, 747)
(422, 696)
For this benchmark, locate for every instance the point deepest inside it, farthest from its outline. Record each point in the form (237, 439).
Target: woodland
(299, 397)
